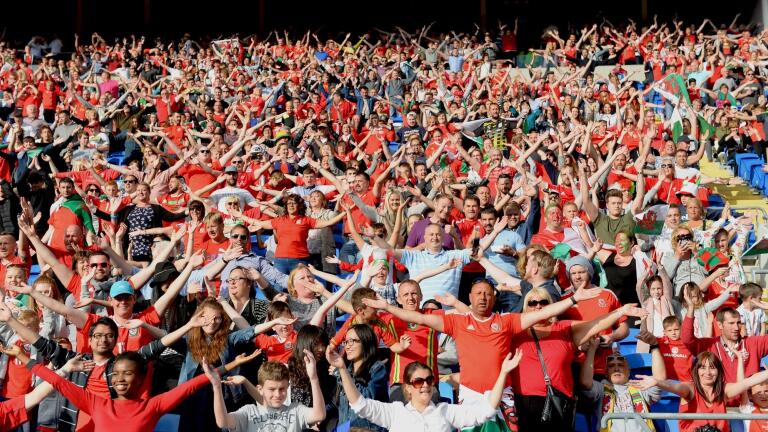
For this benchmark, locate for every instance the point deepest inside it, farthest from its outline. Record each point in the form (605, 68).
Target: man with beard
(176, 199)
(539, 273)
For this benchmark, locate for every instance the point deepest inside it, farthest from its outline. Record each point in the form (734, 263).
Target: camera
(684, 237)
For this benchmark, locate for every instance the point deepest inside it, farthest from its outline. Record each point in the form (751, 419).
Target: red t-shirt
(424, 345)
(559, 352)
(699, 405)
(291, 235)
(197, 178)
(13, 413)
(587, 310)
(214, 248)
(677, 359)
(276, 350)
(378, 325)
(482, 345)
(97, 385)
(358, 217)
(127, 340)
(18, 379)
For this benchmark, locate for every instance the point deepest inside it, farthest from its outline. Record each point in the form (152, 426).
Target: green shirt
(607, 228)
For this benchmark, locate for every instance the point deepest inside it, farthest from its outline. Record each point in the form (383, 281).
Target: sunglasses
(684, 237)
(129, 181)
(239, 236)
(93, 190)
(611, 358)
(419, 382)
(100, 265)
(666, 165)
(237, 162)
(204, 151)
(534, 303)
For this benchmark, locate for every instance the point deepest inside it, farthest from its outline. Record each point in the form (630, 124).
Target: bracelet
(653, 347)
(224, 261)
(573, 299)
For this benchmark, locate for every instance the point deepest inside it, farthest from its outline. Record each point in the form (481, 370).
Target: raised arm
(319, 317)
(431, 321)
(527, 319)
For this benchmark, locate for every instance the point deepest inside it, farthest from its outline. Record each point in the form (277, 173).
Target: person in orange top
(291, 233)
(217, 242)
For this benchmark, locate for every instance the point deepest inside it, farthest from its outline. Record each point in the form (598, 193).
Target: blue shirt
(446, 282)
(507, 263)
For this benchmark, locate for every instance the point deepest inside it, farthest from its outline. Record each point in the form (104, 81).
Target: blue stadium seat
(446, 392)
(584, 423)
(639, 364)
(168, 423)
(741, 157)
(344, 427)
(629, 344)
(34, 270)
(747, 168)
(669, 403)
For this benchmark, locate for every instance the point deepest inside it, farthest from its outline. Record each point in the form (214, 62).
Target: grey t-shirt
(258, 418)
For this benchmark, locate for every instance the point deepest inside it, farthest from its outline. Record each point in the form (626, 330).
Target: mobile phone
(475, 245)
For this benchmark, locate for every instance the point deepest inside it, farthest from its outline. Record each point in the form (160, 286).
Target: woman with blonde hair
(52, 324)
(548, 350)
(682, 265)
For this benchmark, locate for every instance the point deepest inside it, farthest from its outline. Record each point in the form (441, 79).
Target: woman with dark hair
(315, 340)
(620, 269)
(291, 232)
(708, 393)
(369, 375)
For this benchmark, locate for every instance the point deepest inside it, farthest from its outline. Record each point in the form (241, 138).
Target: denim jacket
(190, 365)
(371, 385)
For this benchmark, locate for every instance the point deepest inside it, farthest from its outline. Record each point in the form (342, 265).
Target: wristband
(573, 299)
(224, 261)
(653, 347)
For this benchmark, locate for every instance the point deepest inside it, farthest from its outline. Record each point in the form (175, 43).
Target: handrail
(641, 417)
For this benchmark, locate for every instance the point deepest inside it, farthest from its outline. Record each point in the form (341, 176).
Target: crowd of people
(290, 233)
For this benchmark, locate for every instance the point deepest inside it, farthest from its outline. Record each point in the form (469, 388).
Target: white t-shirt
(258, 418)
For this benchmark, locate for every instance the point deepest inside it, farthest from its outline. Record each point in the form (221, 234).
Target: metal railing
(641, 417)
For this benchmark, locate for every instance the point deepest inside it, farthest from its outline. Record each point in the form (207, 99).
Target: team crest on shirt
(414, 326)
(495, 327)
(133, 332)
(289, 345)
(27, 347)
(299, 221)
(674, 350)
(471, 327)
(601, 303)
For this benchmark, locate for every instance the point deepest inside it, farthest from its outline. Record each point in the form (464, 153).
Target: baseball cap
(282, 134)
(164, 271)
(230, 169)
(120, 288)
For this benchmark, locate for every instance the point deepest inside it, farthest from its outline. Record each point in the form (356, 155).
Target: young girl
(692, 297)
(659, 302)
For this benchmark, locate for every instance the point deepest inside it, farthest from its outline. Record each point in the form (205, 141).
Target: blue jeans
(349, 253)
(285, 265)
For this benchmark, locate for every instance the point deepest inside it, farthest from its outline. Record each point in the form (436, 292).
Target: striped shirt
(446, 282)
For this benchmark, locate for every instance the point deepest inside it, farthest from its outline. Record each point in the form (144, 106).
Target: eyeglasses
(351, 341)
(534, 303)
(99, 265)
(240, 236)
(107, 336)
(233, 280)
(129, 181)
(419, 382)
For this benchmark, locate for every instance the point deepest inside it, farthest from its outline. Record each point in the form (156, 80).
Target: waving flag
(651, 221)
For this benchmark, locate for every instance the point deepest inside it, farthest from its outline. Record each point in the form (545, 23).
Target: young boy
(677, 357)
(269, 412)
(751, 310)
(367, 315)
(279, 346)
